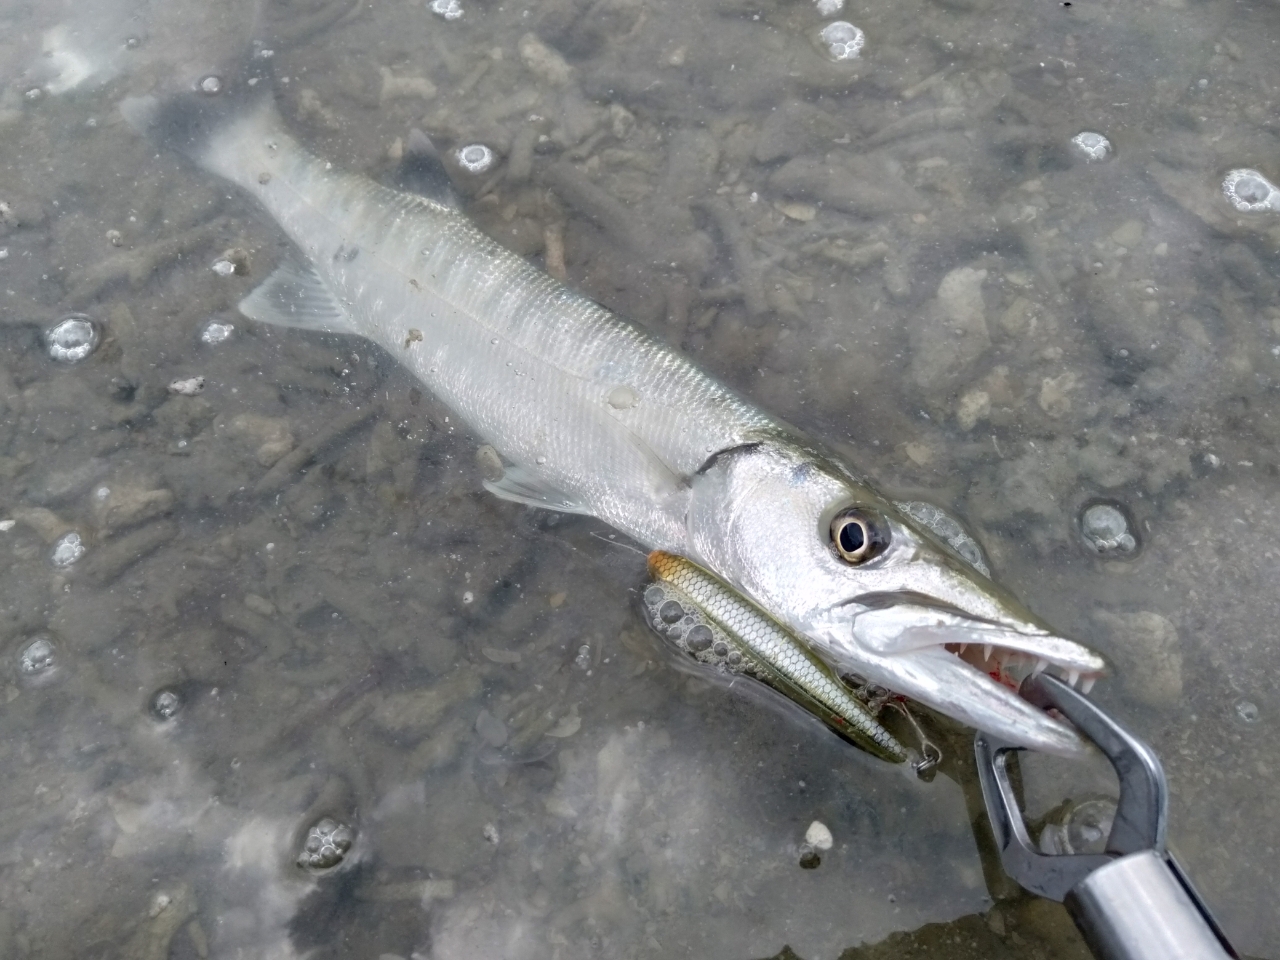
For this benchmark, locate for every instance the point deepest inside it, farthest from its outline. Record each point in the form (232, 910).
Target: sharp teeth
(986, 652)
(1072, 677)
(1088, 684)
(1041, 664)
(964, 647)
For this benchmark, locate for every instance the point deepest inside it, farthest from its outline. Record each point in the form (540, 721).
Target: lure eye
(856, 537)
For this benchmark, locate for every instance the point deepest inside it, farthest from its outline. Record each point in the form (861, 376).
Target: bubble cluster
(38, 658)
(1248, 711)
(1105, 530)
(449, 9)
(1092, 146)
(844, 41)
(583, 660)
(67, 550)
(326, 844)
(165, 703)
(72, 339)
(948, 529)
(1250, 192)
(233, 262)
(215, 332)
(693, 632)
(476, 158)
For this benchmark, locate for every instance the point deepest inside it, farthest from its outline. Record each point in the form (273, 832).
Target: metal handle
(1137, 908)
(1132, 902)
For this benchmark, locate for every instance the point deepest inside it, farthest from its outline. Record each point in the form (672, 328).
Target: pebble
(1092, 146)
(492, 730)
(844, 41)
(491, 833)
(1104, 528)
(326, 844)
(67, 550)
(188, 387)
(115, 508)
(819, 836)
(829, 8)
(38, 658)
(566, 726)
(974, 407)
(215, 332)
(948, 338)
(803, 212)
(210, 85)
(449, 9)
(476, 158)
(1250, 192)
(544, 62)
(72, 339)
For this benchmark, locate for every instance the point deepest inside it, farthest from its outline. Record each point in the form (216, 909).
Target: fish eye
(856, 536)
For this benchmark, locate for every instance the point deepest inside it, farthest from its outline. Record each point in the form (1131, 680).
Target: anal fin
(296, 296)
(520, 485)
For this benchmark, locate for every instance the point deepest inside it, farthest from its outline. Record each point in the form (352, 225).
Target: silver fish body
(596, 417)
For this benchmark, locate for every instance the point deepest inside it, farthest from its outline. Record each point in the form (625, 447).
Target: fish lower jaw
(1010, 667)
(977, 688)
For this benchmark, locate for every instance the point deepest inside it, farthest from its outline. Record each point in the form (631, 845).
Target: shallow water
(294, 601)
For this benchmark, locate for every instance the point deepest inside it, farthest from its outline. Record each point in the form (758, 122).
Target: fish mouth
(967, 668)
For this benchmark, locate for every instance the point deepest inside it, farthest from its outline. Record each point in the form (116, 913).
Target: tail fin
(208, 124)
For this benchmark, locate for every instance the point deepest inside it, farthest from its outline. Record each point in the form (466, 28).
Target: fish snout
(966, 668)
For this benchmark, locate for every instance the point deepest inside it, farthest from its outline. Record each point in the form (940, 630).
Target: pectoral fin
(296, 296)
(520, 485)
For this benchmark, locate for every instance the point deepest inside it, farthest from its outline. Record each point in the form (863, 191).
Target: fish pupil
(852, 537)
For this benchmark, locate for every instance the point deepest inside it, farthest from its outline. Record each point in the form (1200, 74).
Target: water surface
(295, 602)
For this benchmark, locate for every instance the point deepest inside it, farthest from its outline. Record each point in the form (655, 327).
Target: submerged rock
(951, 334)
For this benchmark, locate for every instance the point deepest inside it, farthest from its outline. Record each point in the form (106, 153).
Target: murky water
(280, 680)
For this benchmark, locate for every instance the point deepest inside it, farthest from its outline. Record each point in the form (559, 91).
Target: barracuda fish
(714, 624)
(593, 416)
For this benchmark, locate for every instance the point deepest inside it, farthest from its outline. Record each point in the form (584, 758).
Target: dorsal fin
(423, 172)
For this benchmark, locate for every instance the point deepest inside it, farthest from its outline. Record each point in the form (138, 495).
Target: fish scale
(771, 653)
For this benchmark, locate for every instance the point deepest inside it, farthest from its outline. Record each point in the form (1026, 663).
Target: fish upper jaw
(966, 668)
